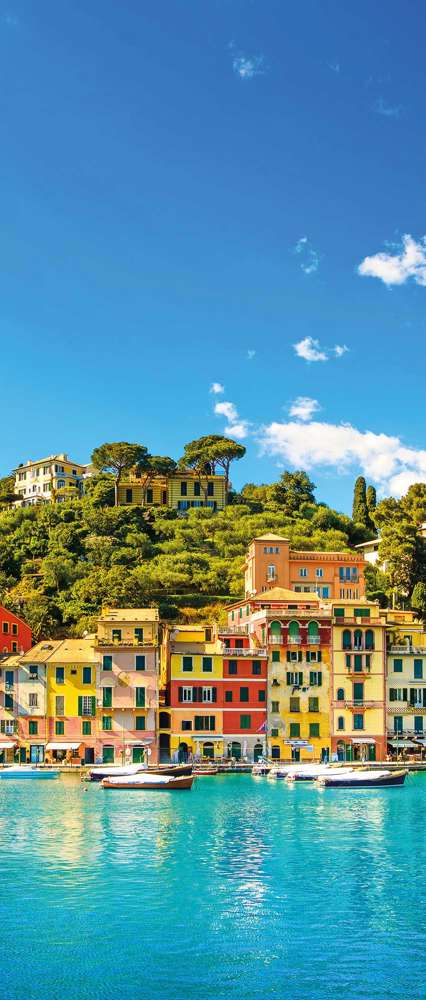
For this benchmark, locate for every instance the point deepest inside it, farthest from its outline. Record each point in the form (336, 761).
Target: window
(361, 612)
(313, 704)
(245, 721)
(59, 704)
(397, 724)
(86, 728)
(326, 591)
(294, 678)
(60, 675)
(346, 639)
(340, 696)
(315, 678)
(149, 495)
(116, 634)
(197, 489)
(418, 723)
(358, 693)
(256, 668)
(33, 669)
(5, 628)
(207, 664)
(294, 704)
(139, 633)
(293, 632)
(107, 662)
(398, 694)
(275, 656)
(129, 496)
(228, 696)
(261, 695)
(357, 663)
(275, 706)
(294, 730)
(186, 725)
(185, 694)
(358, 722)
(271, 572)
(319, 572)
(33, 700)
(59, 728)
(209, 694)
(303, 571)
(9, 679)
(140, 697)
(108, 755)
(140, 723)
(208, 634)
(397, 666)
(244, 694)
(87, 675)
(107, 697)
(107, 723)
(140, 662)
(339, 612)
(369, 639)
(314, 729)
(210, 489)
(33, 727)
(184, 489)
(418, 670)
(187, 663)
(14, 629)
(205, 722)
(340, 722)
(233, 667)
(14, 647)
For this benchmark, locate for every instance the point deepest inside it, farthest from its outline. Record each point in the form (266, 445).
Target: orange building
(270, 562)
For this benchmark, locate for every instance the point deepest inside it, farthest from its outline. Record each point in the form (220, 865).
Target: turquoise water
(242, 888)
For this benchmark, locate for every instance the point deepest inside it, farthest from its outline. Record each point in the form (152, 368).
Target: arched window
(340, 722)
(313, 632)
(208, 750)
(234, 750)
(340, 694)
(275, 630)
(369, 639)
(293, 632)
(257, 752)
(347, 639)
(357, 639)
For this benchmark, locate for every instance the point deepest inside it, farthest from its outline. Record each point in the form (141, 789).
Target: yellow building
(53, 478)
(180, 490)
(194, 664)
(358, 709)
(406, 680)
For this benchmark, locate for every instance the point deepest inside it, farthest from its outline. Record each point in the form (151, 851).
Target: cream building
(53, 478)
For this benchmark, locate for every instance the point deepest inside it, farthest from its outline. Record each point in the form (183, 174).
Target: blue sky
(189, 190)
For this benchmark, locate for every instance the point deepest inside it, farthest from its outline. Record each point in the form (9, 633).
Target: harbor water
(242, 888)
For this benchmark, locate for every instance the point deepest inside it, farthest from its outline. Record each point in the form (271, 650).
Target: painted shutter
(180, 694)
(300, 678)
(80, 704)
(319, 678)
(308, 656)
(412, 696)
(93, 704)
(214, 694)
(289, 681)
(288, 656)
(319, 656)
(300, 656)
(392, 694)
(404, 694)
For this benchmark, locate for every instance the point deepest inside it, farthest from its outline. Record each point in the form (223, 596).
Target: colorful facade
(358, 697)
(180, 491)
(15, 634)
(406, 680)
(56, 477)
(194, 667)
(331, 575)
(244, 694)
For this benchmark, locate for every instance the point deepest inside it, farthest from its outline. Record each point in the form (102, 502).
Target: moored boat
(118, 770)
(150, 782)
(202, 771)
(28, 772)
(362, 779)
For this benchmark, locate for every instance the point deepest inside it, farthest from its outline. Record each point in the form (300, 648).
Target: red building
(15, 634)
(244, 693)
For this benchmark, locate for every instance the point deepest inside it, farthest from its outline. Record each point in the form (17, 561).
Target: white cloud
(303, 408)
(383, 459)
(217, 388)
(236, 427)
(340, 350)
(396, 269)
(246, 67)
(309, 350)
(250, 355)
(387, 110)
(309, 258)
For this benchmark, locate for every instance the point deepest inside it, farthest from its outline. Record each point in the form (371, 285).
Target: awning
(136, 743)
(62, 746)
(7, 745)
(421, 742)
(405, 744)
(362, 739)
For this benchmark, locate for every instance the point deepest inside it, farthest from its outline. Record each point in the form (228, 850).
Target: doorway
(37, 753)
(89, 755)
(138, 755)
(257, 752)
(183, 753)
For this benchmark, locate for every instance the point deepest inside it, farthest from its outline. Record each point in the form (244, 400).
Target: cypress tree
(359, 509)
(371, 500)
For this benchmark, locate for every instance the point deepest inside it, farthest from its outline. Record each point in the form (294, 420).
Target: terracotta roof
(125, 615)
(282, 594)
(270, 538)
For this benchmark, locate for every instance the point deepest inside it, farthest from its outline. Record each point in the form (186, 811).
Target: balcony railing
(253, 651)
(313, 640)
(407, 650)
(125, 643)
(294, 640)
(359, 703)
(233, 630)
(404, 708)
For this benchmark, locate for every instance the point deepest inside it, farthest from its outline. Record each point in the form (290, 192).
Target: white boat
(115, 770)
(311, 772)
(28, 771)
(150, 782)
(363, 778)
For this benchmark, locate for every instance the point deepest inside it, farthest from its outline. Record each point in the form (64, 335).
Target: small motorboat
(127, 770)
(201, 771)
(362, 779)
(261, 768)
(280, 772)
(27, 771)
(150, 782)
(311, 772)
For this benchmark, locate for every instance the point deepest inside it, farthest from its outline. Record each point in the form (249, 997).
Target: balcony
(313, 640)
(237, 651)
(357, 704)
(126, 643)
(294, 640)
(403, 708)
(407, 650)
(234, 630)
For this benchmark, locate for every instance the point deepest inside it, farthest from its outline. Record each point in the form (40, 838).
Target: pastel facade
(127, 654)
(56, 477)
(358, 698)
(244, 697)
(406, 680)
(331, 575)
(194, 691)
(180, 491)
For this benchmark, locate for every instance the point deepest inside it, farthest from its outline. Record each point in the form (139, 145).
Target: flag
(262, 728)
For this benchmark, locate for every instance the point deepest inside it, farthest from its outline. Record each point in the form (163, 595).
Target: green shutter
(319, 678)
(80, 704)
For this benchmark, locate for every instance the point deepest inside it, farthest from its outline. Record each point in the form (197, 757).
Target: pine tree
(359, 508)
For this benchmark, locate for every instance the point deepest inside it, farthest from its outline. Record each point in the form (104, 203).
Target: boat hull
(180, 782)
(99, 773)
(13, 775)
(390, 780)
